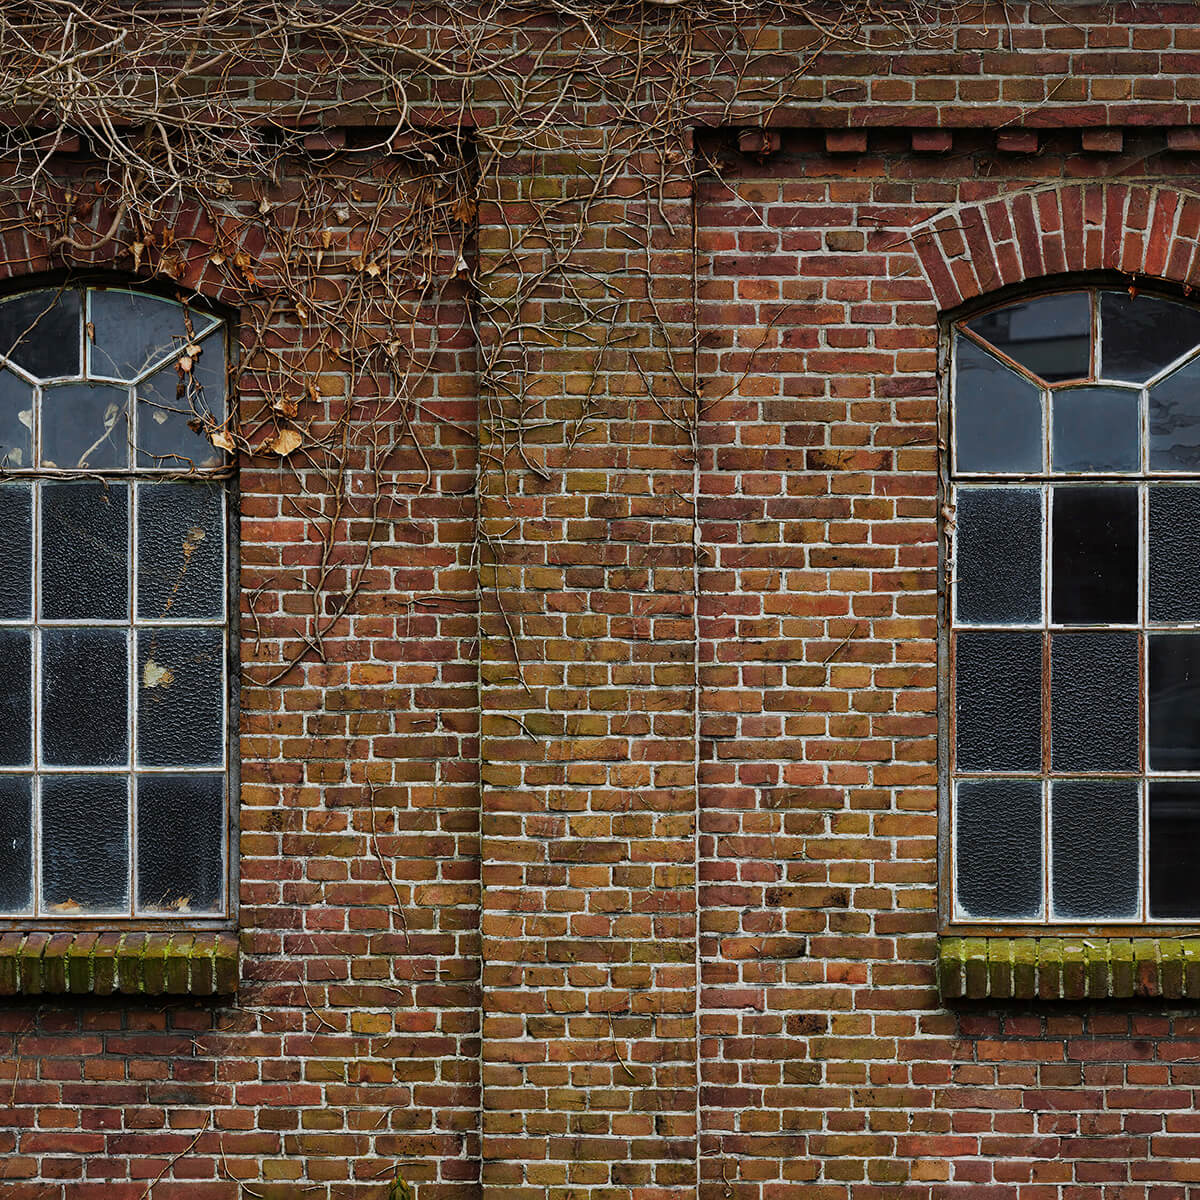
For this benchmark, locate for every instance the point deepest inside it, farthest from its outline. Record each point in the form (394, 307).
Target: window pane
(1174, 557)
(181, 823)
(997, 415)
(998, 848)
(1094, 709)
(135, 332)
(998, 700)
(181, 696)
(1174, 702)
(85, 842)
(169, 399)
(998, 555)
(1096, 429)
(1050, 336)
(84, 426)
(1175, 421)
(40, 332)
(1139, 335)
(180, 549)
(1094, 848)
(1094, 555)
(16, 844)
(16, 697)
(84, 700)
(16, 552)
(16, 422)
(85, 550)
(1174, 836)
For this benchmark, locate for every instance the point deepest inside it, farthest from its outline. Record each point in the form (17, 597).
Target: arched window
(1074, 610)
(114, 565)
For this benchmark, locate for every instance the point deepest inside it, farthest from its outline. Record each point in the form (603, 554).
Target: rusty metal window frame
(210, 330)
(952, 482)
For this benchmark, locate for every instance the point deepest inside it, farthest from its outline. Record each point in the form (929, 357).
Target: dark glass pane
(84, 425)
(998, 848)
(1174, 557)
(85, 550)
(1096, 429)
(181, 696)
(16, 844)
(16, 552)
(135, 332)
(1174, 848)
(16, 422)
(998, 700)
(1175, 421)
(85, 698)
(1174, 702)
(85, 842)
(170, 398)
(1094, 848)
(181, 823)
(40, 332)
(180, 548)
(1094, 555)
(998, 552)
(997, 415)
(1094, 708)
(1050, 336)
(1139, 335)
(16, 697)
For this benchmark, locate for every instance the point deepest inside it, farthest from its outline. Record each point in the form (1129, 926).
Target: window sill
(126, 964)
(1068, 968)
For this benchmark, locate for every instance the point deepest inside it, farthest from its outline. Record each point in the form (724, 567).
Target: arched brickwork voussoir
(1141, 230)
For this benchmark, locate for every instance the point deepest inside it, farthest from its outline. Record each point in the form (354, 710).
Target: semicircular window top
(1074, 612)
(103, 379)
(114, 570)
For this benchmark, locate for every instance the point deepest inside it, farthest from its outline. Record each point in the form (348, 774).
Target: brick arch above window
(1139, 230)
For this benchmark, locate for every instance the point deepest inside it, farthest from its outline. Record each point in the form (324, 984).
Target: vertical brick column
(587, 678)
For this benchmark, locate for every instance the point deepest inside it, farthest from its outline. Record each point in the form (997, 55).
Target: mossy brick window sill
(125, 964)
(1068, 968)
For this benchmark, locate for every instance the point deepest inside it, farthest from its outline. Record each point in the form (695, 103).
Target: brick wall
(598, 859)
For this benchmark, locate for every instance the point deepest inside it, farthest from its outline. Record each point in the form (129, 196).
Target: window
(1075, 611)
(113, 633)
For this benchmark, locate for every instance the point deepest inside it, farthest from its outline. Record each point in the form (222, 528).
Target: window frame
(948, 480)
(225, 474)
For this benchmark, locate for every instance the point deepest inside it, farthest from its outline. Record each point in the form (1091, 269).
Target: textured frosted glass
(84, 425)
(134, 332)
(998, 701)
(40, 332)
(180, 551)
(1175, 420)
(181, 821)
(1050, 336)
(85, 550)
(85, 842)
(16, 423)
(84, 705)
(1094, 555)
(998, 848)
(1174, 556)
(16, 844)
(1174, 836)
(169, 399)
(1096, 429)
(16, 692)
(181, 697)
(997, 415)
(1174, 702)
(998, 568)
(1139, 335)
(1094, 711)
(1094, 848)
(16, 551)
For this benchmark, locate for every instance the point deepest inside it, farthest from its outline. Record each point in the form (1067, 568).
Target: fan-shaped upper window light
(1075, 610)
(113, 580)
